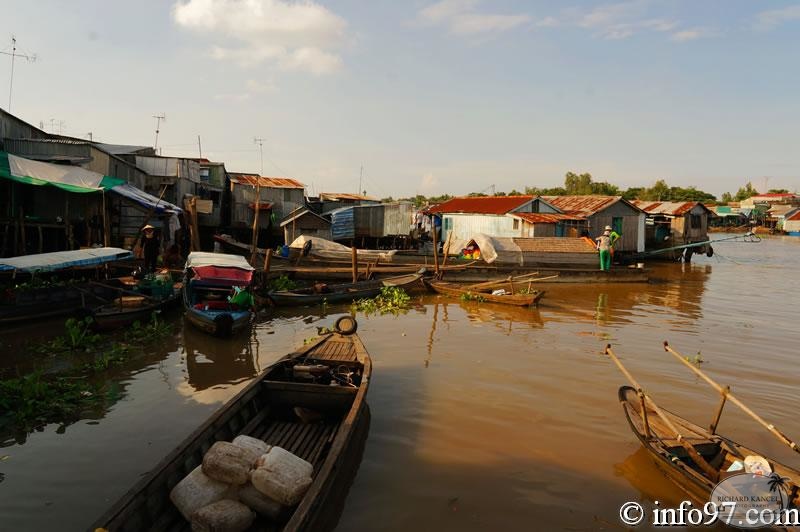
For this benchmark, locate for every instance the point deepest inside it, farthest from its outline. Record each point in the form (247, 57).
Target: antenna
(260, 142)
(14, 55)
(360, 175)
(158, 118)
(199, 146)
(89, 134)
(55, 123)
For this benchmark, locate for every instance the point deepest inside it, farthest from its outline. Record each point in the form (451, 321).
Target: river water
(483, 417)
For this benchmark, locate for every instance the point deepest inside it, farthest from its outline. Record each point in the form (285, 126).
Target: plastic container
(229, 463)
(254, 444)
(223, 516)
(282, 476)
(197, 490)
(259, 502)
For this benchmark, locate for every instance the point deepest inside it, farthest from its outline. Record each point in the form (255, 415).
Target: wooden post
(41, 239)
(106, 225)
(67, 226)
(254, 242)
(23, 241)
(435, 251)
(267, 261)
(355, 263)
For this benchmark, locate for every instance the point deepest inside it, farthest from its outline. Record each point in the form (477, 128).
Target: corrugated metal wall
(466, 225)
(343, 224)
(630, 240)
(397, 219)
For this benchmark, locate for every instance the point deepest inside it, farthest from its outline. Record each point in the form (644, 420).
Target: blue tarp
(60, 260)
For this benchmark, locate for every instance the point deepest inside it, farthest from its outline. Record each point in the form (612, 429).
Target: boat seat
(307, 441)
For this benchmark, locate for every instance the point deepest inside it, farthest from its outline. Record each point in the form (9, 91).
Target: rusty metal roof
(669, 208)
(583, 205)
(271, 182)
(545, 217)
(555, 245)
(481, 204)
(795, 216)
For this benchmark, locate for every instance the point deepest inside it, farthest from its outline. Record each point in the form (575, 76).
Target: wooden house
(600, 211)
(674, 223)
(305, 222)
(277, 198)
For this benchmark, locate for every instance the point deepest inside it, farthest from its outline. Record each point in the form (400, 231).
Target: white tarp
(55, 173)
(327, 249)
(148, 201)
(501, 249)
(198, 259)
(59, 260)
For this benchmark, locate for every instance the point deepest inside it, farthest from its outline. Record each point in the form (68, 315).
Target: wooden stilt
(355, 263)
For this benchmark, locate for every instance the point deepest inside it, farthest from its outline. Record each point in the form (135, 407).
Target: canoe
(266, 410)
(126, 310)
(338, 293)
(209, 279)
(459, 290)
(674, 460)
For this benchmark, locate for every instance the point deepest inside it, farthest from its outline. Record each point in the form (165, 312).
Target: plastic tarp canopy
(148, 201)
(326, 249)
(500, 249)
(216, 275)
(69, 178)
(199, 259)
(59, 260)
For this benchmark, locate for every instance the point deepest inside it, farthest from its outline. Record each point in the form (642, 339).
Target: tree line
(585, 185)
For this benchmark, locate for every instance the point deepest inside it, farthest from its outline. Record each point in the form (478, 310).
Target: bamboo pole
(726, 393)
(435, 251)
(254, 242)
(267, 261)
(354, 259)
(699, 460)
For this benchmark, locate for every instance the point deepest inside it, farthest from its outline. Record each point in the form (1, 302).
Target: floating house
(305, 222)
(277, 197)
(675, 223)
(376, 225)
(791, 226)
(600, 211)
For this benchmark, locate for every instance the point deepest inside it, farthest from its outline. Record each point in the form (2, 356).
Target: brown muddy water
(483, 417)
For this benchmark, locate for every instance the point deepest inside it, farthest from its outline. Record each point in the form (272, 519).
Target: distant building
(792, 224)
(278, 197)
(305, 222)
(674, 223)
(771, 199)
(330, 201)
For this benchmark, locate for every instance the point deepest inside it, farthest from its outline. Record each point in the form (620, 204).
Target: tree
(745, 192)
(727, 197)
(777, 191)
(634, 193)
(579, 185)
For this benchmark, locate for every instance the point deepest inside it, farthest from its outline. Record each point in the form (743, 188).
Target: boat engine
(310, 372)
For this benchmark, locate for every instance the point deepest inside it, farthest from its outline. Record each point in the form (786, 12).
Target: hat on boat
(609, 228)
(148, 226)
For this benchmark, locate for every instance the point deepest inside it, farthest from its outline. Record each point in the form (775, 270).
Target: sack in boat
(254, 444)
(223, 516)
(195, 491)
(282, 476)
(259, 502)
(229, 463)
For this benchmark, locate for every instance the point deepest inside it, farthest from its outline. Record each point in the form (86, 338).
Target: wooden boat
(126, 309)
(338, 293)
(459, 290)
(266, 410)
(694, 458)
(209, 279)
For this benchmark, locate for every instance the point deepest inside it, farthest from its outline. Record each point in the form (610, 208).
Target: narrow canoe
(458, 290)
(673, 459)
(266, 410)
(338, 293)
(120, 314)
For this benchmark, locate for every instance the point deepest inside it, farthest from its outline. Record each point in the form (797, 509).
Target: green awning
(69, 178)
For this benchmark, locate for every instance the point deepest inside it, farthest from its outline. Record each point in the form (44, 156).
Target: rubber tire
(346, 330)
(307, 248)
(710, 252)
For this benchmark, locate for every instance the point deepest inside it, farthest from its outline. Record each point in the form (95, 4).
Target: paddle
(726, 393)
(699, 460)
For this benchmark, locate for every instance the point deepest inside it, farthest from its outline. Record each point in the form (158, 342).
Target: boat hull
(517, 300)
(218, 323)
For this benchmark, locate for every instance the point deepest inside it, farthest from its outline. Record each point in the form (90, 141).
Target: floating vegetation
(469, 296)
(281, 283)
(696, 360)
(78, 337)
(391, 299)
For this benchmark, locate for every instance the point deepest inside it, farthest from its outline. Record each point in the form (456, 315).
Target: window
(516, 224)
(204, 175)
(696, 222)
(448, 223)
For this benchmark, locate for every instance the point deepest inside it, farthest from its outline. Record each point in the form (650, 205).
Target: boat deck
(336, 350)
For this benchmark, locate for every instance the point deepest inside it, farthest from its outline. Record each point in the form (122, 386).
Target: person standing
(604, 249)
(150, 246)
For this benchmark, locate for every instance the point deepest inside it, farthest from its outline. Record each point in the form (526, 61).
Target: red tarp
(233, 276)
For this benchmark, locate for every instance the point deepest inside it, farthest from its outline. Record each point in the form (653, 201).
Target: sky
(425, 97)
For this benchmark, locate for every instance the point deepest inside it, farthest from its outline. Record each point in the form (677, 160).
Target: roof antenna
(158, 118)
(14, 55)
(260, 142)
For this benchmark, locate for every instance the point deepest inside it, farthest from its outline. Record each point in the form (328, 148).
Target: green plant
(281, 283)
(469, 296)
(391, 299)
(696, 360)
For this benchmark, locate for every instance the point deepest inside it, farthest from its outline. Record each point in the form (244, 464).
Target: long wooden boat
(266, 410)
(672, 458)
(209, 279)
(459, 290)
(339, 293)
(125, 310)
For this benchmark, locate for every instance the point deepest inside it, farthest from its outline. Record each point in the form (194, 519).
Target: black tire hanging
(345, 325)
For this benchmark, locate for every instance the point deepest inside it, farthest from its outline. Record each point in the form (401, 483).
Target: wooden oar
(489, 284)
(699, 460)
(726, 393)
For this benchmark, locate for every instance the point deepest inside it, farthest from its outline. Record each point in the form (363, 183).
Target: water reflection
(211, 361)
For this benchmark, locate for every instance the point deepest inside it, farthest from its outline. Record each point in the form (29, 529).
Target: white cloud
(690, 34)
(767, 20)
(292, 35)
(460, 17)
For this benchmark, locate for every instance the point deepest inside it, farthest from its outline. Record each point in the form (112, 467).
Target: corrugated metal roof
(555, 245)
(545, 218)
(585, 205)
(670, 208)
(778, 210)
(481, 204)
(271, 182)
(344, 196)
(795, 216)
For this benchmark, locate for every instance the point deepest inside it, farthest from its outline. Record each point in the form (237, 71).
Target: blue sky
(430, 97)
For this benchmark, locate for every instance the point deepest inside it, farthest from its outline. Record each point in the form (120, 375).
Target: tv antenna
(31, 58)
(158, 118)
(260, 142)
(55, 123)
